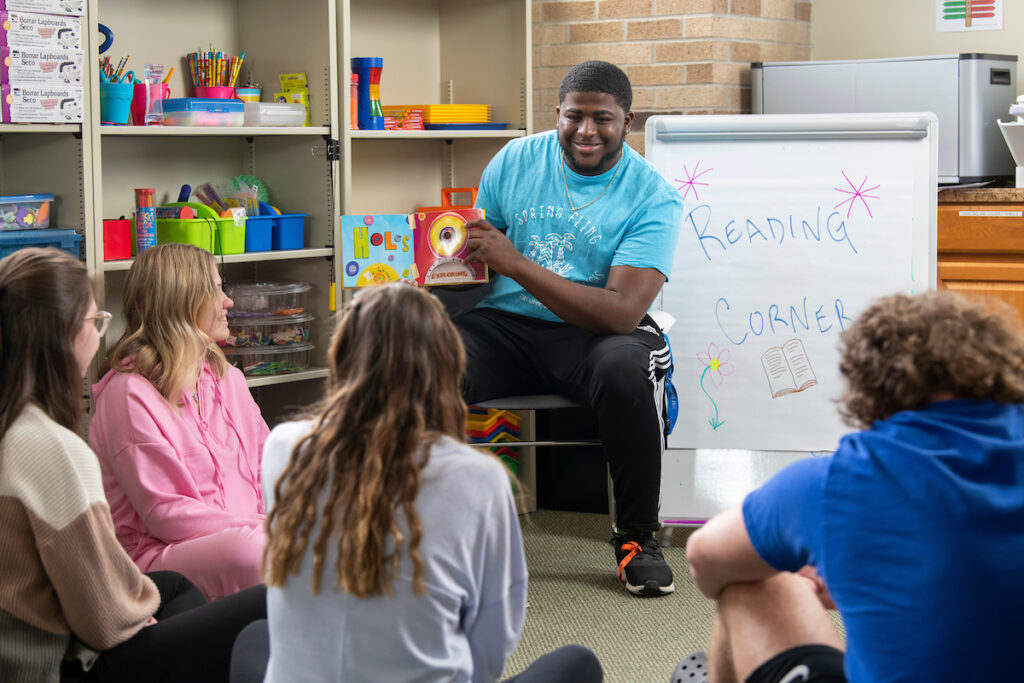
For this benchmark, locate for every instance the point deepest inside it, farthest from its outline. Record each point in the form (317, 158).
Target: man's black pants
(620, 377)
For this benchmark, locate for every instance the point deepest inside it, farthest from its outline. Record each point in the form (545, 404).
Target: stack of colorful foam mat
(494, 427)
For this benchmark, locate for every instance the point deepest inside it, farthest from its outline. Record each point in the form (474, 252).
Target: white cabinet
(434, 51)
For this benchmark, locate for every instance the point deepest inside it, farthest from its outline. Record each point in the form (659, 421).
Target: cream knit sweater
(62, 571)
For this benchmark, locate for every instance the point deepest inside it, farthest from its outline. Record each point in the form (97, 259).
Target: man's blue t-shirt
(634, 223)
(917, 527)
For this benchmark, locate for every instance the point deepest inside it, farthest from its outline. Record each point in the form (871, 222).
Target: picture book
(428, 247)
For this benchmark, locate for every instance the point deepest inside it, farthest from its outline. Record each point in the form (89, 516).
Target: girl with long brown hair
(393, 548)
(177, 431)
(73, 606)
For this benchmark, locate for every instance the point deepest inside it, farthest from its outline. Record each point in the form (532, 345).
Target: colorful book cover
(428, 247)
(440, 243)
(376, 249)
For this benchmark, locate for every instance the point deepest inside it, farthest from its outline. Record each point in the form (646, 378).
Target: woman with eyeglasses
(176, 430)
(70, 592)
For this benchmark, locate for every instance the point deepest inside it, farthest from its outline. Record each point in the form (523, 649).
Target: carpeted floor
(575, 598)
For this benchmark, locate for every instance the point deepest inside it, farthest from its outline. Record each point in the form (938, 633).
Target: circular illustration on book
(447, 234)
(377, 274)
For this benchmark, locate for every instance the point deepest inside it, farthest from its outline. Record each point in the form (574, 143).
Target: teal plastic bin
(66, 239)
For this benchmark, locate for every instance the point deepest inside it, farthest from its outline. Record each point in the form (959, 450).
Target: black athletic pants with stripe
(620, 377)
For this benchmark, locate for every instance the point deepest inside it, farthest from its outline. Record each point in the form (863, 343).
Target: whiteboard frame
(699, 483)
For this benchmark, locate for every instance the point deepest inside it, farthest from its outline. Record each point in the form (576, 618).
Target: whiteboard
(792, 225)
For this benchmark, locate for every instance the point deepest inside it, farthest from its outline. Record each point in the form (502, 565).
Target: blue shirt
(917, 527)
(635, 222)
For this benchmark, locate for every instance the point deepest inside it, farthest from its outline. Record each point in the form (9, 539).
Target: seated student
(177, 431)
(913, 529)
(393, 548)
(70, 591)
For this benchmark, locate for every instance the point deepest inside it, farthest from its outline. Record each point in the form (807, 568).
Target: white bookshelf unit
(434, 51)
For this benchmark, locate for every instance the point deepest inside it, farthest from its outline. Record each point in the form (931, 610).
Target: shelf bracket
(333, 149)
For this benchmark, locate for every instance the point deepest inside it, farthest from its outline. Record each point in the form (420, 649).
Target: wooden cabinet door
(981, 251)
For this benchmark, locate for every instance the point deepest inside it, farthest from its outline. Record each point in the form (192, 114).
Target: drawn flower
(716, 362)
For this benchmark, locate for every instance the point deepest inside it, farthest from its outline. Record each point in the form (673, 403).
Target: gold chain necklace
(565, 182)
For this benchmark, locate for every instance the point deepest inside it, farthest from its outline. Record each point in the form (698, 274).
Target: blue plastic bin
(289, 231)
(13, 240)
(258, 232)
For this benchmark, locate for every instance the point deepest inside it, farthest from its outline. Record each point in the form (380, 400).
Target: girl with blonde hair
(177, 431)
(73, 605)
(393, 548)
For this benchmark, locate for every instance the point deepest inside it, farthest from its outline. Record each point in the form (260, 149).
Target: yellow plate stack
(454, 113)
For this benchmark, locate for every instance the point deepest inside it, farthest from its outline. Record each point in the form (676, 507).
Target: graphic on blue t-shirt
(627, 216)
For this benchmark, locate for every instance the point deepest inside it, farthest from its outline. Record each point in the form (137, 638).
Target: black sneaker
(641, 565)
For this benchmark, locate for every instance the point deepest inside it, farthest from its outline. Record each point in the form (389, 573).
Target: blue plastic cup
(115, 102)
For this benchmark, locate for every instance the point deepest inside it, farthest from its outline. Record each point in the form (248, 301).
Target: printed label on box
(20, 66)
(42, 103)
(68, 7)
(27, 29)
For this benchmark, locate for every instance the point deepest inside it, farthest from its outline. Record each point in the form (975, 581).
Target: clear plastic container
(276, 330)
(259, 361)
(274, 114)
(265, 299)
(200, 111)
(25, 212)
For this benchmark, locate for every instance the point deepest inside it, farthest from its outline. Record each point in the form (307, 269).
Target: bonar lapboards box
(20, 66)
(70, 7)
(428, 247)
(41, 103)
(28, 29)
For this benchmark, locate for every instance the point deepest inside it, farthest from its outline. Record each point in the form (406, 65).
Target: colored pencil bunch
(112, 73)
(212, 68)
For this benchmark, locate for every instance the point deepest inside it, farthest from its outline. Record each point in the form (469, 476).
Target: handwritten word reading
(771, 230)
(775, 319)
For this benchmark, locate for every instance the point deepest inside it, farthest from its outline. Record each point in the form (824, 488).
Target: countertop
(981, 194)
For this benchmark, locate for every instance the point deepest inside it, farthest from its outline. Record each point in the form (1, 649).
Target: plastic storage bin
(13, 240)
(275, 330)
(208, 231)
(25, 211)
(201, 111)
(269, 360)
(289, 231)
(259, 232)
(274, 114)
(264, 299)
(117, 239)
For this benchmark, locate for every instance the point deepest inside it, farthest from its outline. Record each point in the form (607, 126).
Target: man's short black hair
(598, 76)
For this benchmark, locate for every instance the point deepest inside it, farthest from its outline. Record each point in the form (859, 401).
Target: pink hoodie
(169, 476)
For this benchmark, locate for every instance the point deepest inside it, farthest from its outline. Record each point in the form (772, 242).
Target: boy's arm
(720, 553)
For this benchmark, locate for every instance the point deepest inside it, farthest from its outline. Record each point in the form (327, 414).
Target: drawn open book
(787, 368)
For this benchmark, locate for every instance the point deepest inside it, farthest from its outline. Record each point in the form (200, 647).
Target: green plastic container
(208, 231)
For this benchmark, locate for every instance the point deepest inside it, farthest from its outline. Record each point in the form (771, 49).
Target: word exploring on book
(428, 247)
(788, 368)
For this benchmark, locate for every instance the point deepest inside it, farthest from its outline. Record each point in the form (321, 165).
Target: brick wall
(682, 56)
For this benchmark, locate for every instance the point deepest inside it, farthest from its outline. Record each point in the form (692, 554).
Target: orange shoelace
(633, 547)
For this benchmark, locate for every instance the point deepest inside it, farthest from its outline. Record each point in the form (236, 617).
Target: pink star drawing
(691, 181)
(856, 192)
